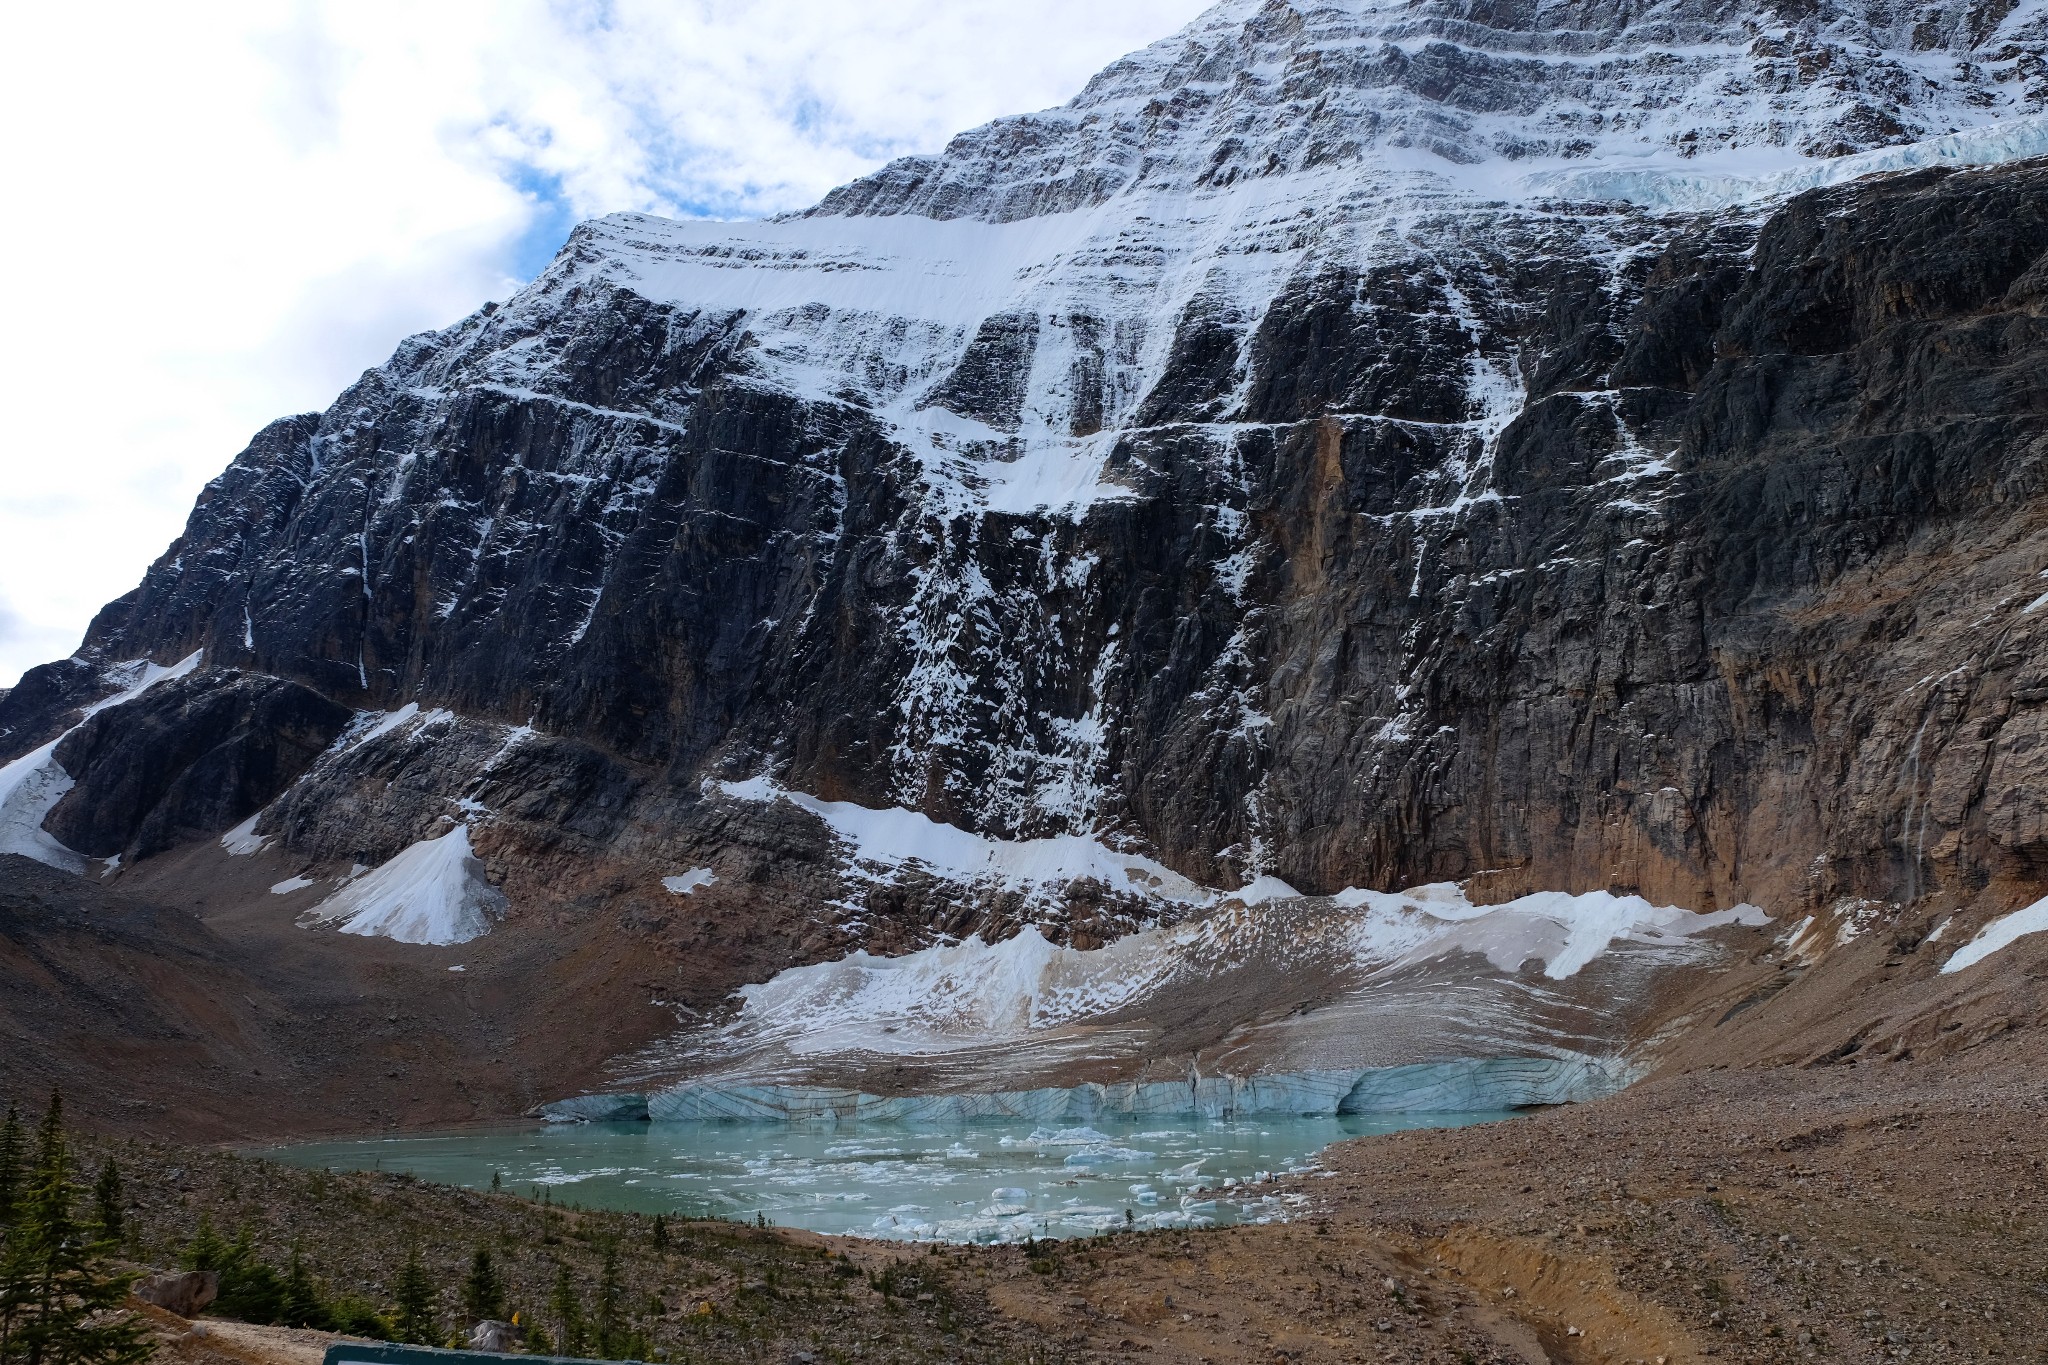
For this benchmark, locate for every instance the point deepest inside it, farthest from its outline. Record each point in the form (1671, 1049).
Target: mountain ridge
(1312, 523)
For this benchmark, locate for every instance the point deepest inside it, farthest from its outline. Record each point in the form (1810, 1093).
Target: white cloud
(223, 212)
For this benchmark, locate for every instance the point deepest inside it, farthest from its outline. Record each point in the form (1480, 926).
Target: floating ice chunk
(432, 893)
(2000, 933)
(1104, 1156)
(690, 881)
(1064, 1137)
(1010, 1194)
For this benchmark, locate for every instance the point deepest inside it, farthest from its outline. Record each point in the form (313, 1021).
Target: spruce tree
(108, 1203)
(299, 1305)
(13, 1151)
(249, 1289)
(207, 1250)
(660, 1233)
(537, 1342)
(611, 1320)
(414, 1319)
(59, 1303)
(483, 1294)
(568, 1311)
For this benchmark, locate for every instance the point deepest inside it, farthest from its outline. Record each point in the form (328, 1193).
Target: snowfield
(32, 785)
(434, 892)
(971, 994)
(2002, 932)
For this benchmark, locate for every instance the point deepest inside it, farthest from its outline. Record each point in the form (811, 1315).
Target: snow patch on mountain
(1205, 173)
(32, 785)
(2002, 932)
(243, 841)
(971, 994)
(434, 892)
(370, 726)
(880, 843)
(1688, 188)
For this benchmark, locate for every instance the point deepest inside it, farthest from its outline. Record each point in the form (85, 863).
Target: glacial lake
(972, 1182)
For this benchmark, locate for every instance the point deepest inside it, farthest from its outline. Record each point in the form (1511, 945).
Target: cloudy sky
(224, 212)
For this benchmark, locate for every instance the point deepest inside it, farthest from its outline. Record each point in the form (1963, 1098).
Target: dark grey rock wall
(1712, 630)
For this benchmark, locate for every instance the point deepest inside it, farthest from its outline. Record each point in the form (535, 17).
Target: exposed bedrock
(1594, 458)
(1728, 598)
(187, 759)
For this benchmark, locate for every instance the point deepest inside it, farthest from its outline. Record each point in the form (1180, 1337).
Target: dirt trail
(217, 1341)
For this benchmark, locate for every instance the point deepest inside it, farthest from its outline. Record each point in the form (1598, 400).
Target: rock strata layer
(1350, 446)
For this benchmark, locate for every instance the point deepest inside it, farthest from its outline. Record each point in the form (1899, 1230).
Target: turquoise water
(973, 1182)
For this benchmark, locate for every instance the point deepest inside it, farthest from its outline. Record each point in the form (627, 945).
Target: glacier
(1543, 985)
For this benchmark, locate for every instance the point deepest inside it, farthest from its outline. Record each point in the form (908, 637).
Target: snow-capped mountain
(1552, 447)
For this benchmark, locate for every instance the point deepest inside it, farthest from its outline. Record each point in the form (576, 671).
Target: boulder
(492, 1335)
(185, 1293)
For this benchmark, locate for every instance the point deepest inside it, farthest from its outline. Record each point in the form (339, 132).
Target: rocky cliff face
(1553, 447)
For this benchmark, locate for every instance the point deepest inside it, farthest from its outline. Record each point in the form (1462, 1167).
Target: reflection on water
(980, 1182)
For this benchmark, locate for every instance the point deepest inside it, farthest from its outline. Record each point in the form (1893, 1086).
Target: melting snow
(894, 838)
(242, 840)
(291, 884)
(970, 994)
(370, 726)
(690, 881)
(2000, 933)
(434, 892)
(32, 785)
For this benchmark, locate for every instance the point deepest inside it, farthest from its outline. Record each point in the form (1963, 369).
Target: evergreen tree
(249, 1289)
(13, 1144)
(207, 1250)
(59, 1303)
(611, 1318)
(483, 1294)
(109, 1203)
(352, 1317)
(660, 1233)
(299, 1305)
(568, 1311)
(537, 1342)
(415, 1319)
